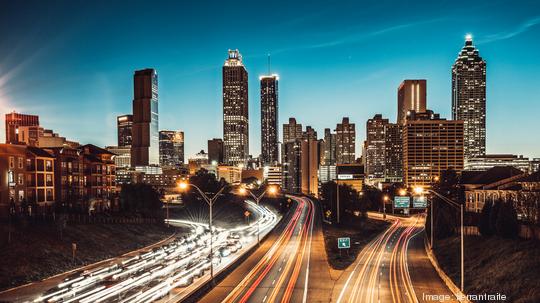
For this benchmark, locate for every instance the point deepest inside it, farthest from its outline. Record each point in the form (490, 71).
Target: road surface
(393, 268)
(290, 266)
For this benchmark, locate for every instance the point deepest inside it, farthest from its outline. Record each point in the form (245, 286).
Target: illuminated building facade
(145, 143)
(345, 142)
(430, 145)
(376, 148)
(269, 119)
(469, 97)
(14, 121)
(393, 167)
(124, 125)
(411, 96)
(235, 110)
(171, 148)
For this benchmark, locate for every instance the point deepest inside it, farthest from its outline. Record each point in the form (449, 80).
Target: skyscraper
(292, 131)
(215, 151)
(393, 167)
(235, 110)
(375, 148)
(329, 148)
(125, 128)
(14, 121)
(345, 142)
(411, 96)
(269, 119)
(430, 145)
(145, 143)
(171, 148)
(469, 97)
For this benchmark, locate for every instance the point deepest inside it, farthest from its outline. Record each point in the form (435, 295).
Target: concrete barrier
(449, 283)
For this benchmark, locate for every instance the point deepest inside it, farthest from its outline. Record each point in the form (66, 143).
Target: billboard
(402, 202)
(419, 202)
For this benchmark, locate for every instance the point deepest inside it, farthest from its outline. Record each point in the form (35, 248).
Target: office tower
(430, 145)
(292, 131)
(309, 167)
(375, 148)
(469, 98)
(291, 159)
(145, 135)
(393, 167)
(309, 133)
(215, 151)
(329, 147)
(411, 96)
(345, 142)
(269, 119)
(125, 127)
(235, 110)
(171, 148)
(14, 121)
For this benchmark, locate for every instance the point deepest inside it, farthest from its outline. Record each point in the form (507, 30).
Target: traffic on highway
(150, 276)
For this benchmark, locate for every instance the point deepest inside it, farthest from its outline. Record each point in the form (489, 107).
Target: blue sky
(72, 62)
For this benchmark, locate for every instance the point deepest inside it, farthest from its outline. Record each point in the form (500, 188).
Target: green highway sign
(402, 202)
(344, 243)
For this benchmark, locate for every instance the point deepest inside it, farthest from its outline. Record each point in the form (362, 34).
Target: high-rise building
(291, 159)
(329, 148)
(345, 142)
(309, 167)
(235, 110)
(411, 96)
(393, 167)
(430, 145)
(469, 97)
(375, 149)
(171, 148)
(309, 134)
(14, 121)
(269, 119)
(215, 151)
(483, 163)
(145, 143)
(292, 131)
(125, 128)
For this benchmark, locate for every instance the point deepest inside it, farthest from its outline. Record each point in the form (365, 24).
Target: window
(48, 165)
(40, 165)
(21, 162)
(49, 194)
(48, 179)
(11, 162)
(20, 179)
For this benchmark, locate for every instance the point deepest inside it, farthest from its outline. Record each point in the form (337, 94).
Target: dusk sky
(72, 62)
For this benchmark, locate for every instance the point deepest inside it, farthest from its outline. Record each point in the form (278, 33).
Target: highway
(280, 270)
(148, 276)
(393, 268)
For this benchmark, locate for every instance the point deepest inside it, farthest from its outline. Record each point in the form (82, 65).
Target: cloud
(356, 37)
(510, 34)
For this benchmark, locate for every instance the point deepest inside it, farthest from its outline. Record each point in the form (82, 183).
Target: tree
(349, 200)
(140, 198)
(507, 225)
(483, 223)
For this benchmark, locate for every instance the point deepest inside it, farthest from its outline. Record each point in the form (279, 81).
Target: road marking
(279, 269)
(264, 299)
(274, 282)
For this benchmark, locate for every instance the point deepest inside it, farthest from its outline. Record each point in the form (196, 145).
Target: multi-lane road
(393, 268)
(289, 266)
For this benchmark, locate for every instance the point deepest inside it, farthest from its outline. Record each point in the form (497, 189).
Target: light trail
(151, 275)
(364, 282)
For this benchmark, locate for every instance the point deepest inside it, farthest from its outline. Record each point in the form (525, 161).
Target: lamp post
(455, 205)
(385, 199)
(210, 202)
(269, 189)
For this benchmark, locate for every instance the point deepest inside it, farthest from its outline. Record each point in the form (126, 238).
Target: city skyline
(363, 87)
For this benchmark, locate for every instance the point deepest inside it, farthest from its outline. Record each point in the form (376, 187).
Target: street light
(183, 185)
(385, 199)
(402, 192)
(420, 190)
(270, 189)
